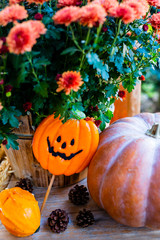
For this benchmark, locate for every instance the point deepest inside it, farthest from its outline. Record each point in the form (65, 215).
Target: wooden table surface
(104, 227)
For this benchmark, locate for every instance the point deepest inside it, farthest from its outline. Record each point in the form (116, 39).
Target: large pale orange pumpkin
(124, 174)
(19, 212)
(65, 148)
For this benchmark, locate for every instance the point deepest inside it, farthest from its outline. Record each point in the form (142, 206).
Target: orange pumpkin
(65, 148)
(124, 174)
(19, 212)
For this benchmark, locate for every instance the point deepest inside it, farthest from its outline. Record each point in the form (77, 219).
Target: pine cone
(79, 195)
(25, 184)
(85, 218)
(58, 221)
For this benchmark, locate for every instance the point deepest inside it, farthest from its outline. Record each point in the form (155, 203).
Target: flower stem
(115, 39)
(88, 35)
(39, 8)
(83, 54)
(98, 32)
(4, 4)
(75, 40)
(33, 70)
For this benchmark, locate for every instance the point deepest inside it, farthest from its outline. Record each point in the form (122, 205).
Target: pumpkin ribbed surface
(19, 212)
(124, 174)
(65, 148)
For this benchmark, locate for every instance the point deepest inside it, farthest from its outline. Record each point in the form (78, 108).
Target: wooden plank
(104, 228)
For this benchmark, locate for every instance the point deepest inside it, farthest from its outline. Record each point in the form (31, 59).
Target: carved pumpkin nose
(64, 145)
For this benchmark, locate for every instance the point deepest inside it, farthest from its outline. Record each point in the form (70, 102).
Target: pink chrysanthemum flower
(107, 4)
(125, 12)
(155, 3)
(37, 1)
(12, 14)
(91, 14)
(67, 15)
(70, 80)
(139, 8)
(67, 3)
(11, 2)
(145, 4)
(155, 20)
(22, 37)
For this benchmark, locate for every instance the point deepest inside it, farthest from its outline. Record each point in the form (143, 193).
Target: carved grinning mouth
(62, 155)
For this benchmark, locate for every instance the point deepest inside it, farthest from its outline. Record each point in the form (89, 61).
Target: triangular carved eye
(59, 139)
(72, 142)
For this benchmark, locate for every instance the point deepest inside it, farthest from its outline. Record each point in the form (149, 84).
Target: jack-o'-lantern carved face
(65, 148)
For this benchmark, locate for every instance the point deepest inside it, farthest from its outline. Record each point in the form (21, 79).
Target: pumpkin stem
(154, 131)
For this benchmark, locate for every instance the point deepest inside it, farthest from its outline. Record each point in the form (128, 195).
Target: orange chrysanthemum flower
(12, 14)
(1, 44)
(140, 7)
(89, 119)
(67, 15)
(155, 20)
(22, 37)
(67, 3)
(38, 28)
(125, 12)
(91, 14)
(11, 2)
(69, 81)
(96, 122)
(155, 3)
(37, 1)
(1, 107)
(107, 4)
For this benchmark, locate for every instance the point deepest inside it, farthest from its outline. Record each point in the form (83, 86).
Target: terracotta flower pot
(130, 106)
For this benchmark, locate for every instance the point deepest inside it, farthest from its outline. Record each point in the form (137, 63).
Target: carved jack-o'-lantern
(65, 148)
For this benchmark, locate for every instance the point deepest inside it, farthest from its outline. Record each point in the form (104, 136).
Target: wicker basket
(5, 173)
(24, 164)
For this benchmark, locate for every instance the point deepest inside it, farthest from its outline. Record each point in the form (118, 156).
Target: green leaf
(11, 139)
(108, 115)
(13, 121)
(38, 103)
(70, 51)
(85, 78)
(5, 116)
(42, 89)
(47, 20)
(38, 63)
(111, 90)
(102, 69)
(9, 115)
(53, 32)
(77, 114)
(103, 123)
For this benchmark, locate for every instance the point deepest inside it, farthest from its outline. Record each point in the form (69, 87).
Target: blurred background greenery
(150, 98)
